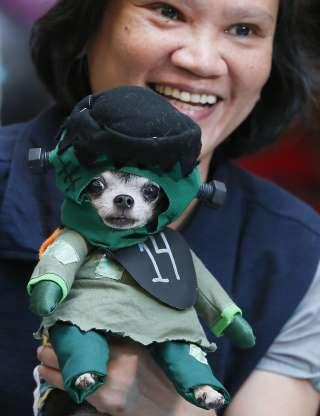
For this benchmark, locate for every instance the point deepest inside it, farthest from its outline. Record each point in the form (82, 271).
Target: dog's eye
(96, 186)
(150, 192)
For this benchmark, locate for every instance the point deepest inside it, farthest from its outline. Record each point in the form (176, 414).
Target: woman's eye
(241, 30)
(96, 186)
(169, 12)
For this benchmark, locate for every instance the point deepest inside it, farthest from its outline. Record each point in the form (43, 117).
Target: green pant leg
(186, 366)
(79, 352)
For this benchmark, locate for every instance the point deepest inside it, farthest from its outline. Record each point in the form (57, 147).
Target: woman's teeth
(185, 96)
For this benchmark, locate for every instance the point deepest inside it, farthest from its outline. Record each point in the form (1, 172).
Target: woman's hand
(135, 385)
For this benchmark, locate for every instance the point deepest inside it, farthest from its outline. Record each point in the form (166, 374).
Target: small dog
(123, 201)
(115, 239)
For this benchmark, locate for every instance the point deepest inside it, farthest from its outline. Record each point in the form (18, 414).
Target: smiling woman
(240, 29)
(201, 48)
(242, 70)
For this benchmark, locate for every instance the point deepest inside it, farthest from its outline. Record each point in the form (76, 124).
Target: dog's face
(125, 201)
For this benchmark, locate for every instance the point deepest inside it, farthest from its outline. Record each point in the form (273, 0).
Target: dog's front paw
(86, 380)
(208, 397)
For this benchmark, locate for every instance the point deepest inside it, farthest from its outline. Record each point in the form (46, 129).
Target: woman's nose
(200, 54)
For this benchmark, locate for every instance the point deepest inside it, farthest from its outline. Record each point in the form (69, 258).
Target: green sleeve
(213, 303)
(61, 261)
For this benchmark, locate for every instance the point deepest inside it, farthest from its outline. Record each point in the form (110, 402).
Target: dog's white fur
(141, 212)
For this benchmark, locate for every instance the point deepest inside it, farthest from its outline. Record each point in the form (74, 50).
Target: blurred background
(21, 95)
(294, 162)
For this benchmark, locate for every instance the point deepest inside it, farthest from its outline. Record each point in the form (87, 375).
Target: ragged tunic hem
(208, 347)
(126, 309)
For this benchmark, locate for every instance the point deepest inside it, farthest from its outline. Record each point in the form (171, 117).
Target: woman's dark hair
(59, 37)
(58, 40)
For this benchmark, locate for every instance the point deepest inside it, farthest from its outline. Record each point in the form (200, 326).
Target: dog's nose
(124, 201)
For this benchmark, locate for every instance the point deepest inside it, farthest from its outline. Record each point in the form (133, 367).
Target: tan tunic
(100, 294)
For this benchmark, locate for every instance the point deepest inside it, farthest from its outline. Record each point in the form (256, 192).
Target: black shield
(163, 266)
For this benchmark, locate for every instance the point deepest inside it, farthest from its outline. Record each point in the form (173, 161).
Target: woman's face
(210, 58)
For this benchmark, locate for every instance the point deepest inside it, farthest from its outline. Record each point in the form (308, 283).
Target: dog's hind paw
(208, 397)
(86, 380)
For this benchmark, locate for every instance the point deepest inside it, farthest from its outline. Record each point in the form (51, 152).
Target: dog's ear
(163, 202)
(162, 205)
(59, 403)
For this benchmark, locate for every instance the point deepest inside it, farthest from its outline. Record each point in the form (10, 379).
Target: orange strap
(49, 241)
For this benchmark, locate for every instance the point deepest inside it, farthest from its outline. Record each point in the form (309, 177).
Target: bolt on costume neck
(131, 130)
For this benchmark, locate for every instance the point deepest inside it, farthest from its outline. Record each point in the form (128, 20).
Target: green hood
(79, 214)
